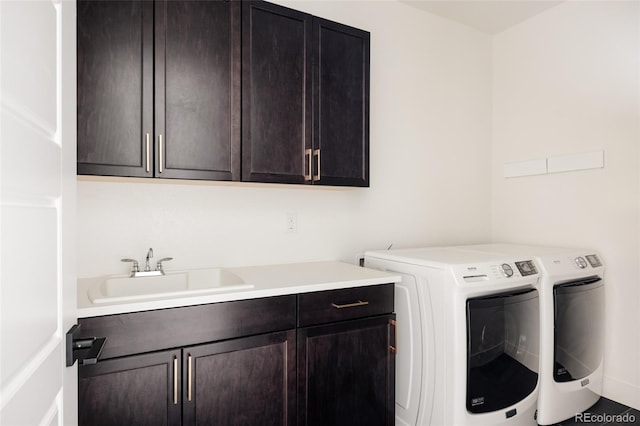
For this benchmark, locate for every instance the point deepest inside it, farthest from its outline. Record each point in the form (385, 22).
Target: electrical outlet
(291, 224)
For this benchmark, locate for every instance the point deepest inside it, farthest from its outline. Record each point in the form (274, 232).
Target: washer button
(507, 270)
(581, 262)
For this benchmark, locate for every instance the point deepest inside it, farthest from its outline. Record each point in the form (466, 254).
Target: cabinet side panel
(110, 86)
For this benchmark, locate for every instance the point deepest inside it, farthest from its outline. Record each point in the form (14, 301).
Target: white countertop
(269, 280)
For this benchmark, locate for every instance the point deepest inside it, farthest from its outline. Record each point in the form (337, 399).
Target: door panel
(346, 373)
(35, 172)
(198, 89)
(276, 97)
(247, 381)
(137, 390)
(115, 60)
(578, 328)
(341, 109)
(502, 349)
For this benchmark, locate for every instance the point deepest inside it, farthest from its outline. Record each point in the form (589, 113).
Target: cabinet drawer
(344, 304)
(140, 332)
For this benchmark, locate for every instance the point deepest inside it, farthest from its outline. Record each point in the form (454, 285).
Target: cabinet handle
(161, 152)
(175, 380)
(350, 305)
(316, 153)
(148, 152)
(189, 370)
(394, 348)
(308, 158)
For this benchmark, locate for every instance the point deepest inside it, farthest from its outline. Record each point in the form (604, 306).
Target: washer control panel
(593, 260)
(569, 263)
(526, 267)
(490, 271)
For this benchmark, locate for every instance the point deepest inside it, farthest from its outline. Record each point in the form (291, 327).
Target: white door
(37, 211)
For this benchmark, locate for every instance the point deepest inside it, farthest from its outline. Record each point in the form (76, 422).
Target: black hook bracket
(86, 350)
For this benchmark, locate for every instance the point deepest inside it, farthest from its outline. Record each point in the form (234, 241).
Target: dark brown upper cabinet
(159, 89)
(305, 98)
(341, 104)
(276, 93)
(115, 86)
(159, 93)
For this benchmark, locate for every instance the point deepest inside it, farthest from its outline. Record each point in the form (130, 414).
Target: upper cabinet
(197, 93)
(115, 87)
(221, 90)
(341, 104)
(305, 98)
(168, 107)
(276, 93)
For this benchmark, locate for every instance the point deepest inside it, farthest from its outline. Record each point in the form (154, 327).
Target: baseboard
(622, 392)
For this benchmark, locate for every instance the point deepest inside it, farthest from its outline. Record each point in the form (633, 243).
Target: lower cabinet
(325, 358)
(246, 381)
(347, 373)
(249, 381)
(134, 390)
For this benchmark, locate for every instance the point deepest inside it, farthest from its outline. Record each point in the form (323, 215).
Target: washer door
(579, 328)
(502, 349)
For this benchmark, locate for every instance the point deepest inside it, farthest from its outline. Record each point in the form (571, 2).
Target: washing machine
(571, 327)
(468, 343)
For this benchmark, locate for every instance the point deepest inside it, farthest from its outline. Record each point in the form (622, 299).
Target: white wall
(430, 168)
(568, 81)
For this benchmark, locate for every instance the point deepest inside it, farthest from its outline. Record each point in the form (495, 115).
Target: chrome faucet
(135, 267)
(147, 267)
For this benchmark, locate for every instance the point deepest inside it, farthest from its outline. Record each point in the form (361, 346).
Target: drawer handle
(175, 380)
(350, 305)
(309, 157)
(190, 371)
(148, 151)
(394, 348)
(316, 153)
(161, 160)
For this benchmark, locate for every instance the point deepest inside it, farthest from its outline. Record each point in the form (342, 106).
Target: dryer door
(502, 349)
(579, 328)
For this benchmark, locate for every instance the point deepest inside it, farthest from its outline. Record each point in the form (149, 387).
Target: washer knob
(507, 270)
(581, 262)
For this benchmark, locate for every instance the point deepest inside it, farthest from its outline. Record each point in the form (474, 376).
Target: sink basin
(174, 284)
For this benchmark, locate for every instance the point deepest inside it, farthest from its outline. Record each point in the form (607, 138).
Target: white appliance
(468, 343)
(571, 328)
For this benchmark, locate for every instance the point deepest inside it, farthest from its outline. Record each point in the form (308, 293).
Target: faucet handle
(135, 267)
(159, 264)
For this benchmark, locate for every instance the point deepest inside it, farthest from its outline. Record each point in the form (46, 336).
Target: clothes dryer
(468, 343)
(571, 328)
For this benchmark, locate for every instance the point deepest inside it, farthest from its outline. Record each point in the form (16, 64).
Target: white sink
(173, 284)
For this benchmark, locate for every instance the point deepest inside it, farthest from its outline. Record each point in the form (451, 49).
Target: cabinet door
(341, 104)
(346, 373)
(137, 390)
(197, 97)
(276, 93)
(115, 84)
(247, 381)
